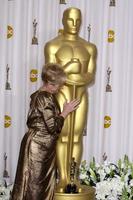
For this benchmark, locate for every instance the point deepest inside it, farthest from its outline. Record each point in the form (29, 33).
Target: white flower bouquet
(5, 190)
(111, 181)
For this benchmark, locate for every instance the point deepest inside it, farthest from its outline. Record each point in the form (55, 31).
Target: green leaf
(124, 194)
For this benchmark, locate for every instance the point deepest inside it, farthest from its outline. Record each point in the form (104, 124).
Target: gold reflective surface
(35, 176)
(78, 59)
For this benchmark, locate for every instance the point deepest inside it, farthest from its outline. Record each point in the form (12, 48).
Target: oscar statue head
(72, 20)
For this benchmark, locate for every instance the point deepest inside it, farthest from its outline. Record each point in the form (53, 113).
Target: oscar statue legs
(69, 147)
(84, 192)
(62, 166)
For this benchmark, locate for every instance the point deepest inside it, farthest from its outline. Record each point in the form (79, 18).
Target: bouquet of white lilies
(111, 181)
(5, 190)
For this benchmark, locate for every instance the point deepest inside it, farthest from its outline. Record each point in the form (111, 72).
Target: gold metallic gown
(35, 177)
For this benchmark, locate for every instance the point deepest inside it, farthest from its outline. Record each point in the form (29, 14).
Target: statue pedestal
(87, 194)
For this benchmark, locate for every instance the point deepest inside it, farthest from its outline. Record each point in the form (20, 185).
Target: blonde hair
(53, 73)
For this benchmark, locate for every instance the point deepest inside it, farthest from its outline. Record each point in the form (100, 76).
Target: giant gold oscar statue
(78, 59)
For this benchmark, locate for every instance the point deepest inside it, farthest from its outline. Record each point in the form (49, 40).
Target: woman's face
(54, 88)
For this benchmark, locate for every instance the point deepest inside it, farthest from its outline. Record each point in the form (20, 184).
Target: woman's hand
(70, 107)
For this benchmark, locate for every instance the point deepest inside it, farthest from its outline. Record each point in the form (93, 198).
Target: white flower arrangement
(5, 190)
(111, 181)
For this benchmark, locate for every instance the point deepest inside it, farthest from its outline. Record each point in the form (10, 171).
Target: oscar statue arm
(83, 78)
(90, 75)
(49, 53)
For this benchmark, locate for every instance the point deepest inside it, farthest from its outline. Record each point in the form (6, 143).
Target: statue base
(88, 193)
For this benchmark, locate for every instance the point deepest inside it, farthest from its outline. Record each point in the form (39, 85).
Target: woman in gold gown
(35, 176)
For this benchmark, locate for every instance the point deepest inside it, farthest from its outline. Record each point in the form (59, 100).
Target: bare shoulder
(53, 44)
(91, 47)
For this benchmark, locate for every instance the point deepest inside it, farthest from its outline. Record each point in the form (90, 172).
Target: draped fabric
(25, 27)
(35, 177)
